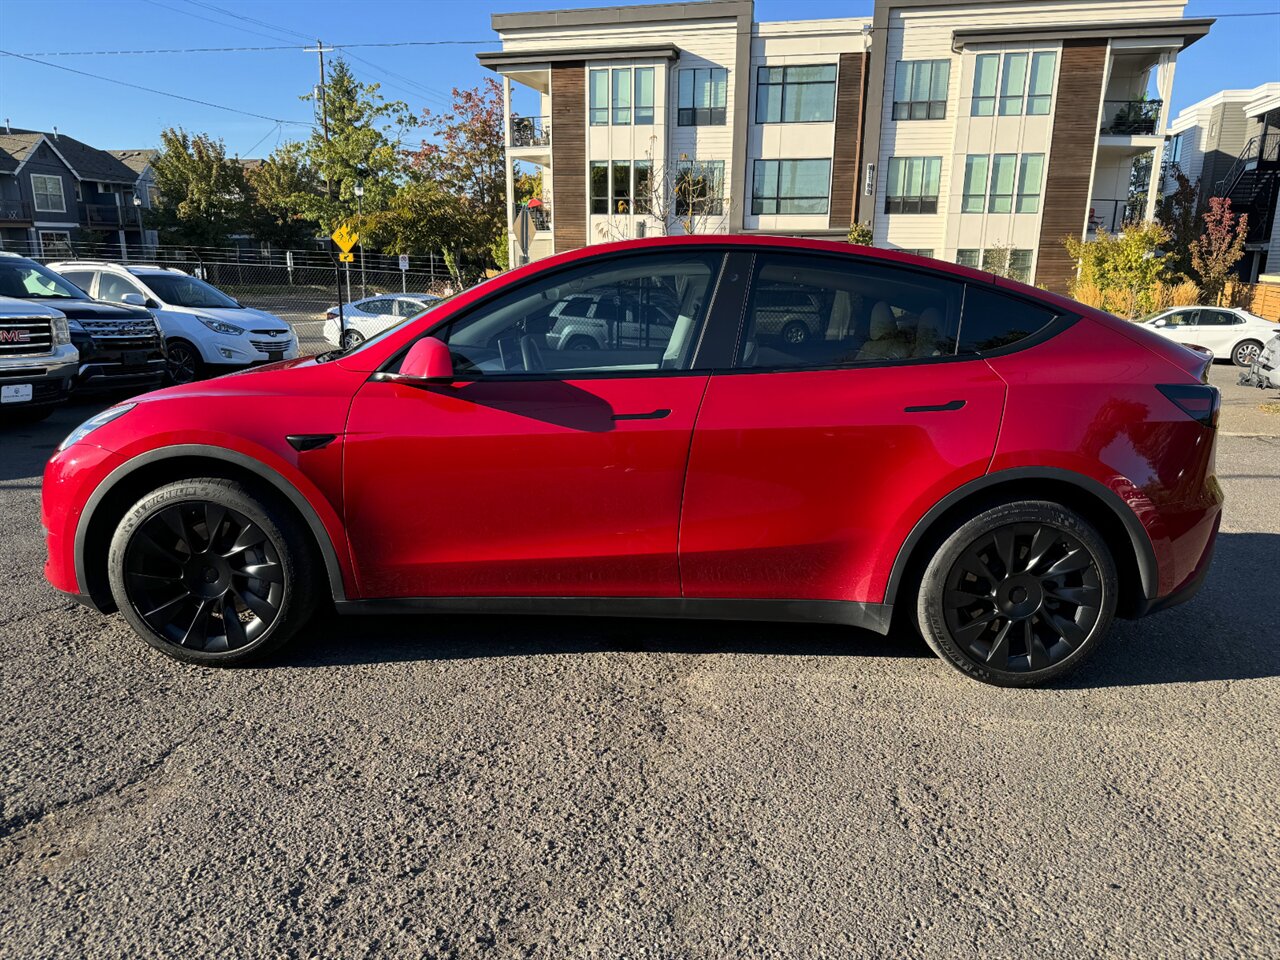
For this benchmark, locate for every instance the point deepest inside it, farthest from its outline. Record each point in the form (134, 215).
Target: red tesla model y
(720, 427)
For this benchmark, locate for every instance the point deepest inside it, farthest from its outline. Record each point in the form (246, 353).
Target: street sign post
(522, 230)
(345, 237)
(404, 272)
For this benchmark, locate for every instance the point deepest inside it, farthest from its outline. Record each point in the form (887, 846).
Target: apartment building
(961, 129)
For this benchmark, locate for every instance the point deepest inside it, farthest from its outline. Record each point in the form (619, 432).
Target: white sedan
(1227, 331)
(363, 318)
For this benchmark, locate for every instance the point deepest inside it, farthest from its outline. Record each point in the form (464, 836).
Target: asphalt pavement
(562, 788)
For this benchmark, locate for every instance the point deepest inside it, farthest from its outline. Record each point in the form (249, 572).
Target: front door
(541, 471)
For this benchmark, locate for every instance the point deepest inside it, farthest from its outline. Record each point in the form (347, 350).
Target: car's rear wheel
(1246, 352)
(351, 339)
(580, 343)
(1018, 595)
(795, 332)
(185, 365)
(208, 571)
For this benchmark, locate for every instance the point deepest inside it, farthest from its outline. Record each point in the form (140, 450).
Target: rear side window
(806, 311)
(993, 320)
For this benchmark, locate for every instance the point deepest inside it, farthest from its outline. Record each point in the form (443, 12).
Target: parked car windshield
(181, 291)
(28, 280)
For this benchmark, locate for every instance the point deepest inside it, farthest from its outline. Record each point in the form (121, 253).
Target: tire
(1245, 352)
(1037, 624)
(795, 332)
(176, 585)
(184, 362)
(581, 343)
(351, 339)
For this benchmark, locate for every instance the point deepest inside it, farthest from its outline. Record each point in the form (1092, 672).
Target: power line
(290, 47)
(240, 16)
(189, 13)
(162, 93)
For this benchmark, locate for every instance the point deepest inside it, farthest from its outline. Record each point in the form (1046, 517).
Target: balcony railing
(530, 131)
(1111, 215)
(541, 217)
(15, 211)
(1131, 118)
(100, 214)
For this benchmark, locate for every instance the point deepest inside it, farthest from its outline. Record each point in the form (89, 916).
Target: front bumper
(249, 350)
(119, 363)
(50, 376)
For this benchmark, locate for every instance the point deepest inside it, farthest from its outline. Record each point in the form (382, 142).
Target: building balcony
(1111, 215)
(100, 215)
(530, 131)
(15, 212)
(1131, 118)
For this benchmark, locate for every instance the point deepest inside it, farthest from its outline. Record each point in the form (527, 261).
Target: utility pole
(320, 50)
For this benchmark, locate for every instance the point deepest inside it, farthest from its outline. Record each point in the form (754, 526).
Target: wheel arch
(1119, 526)
(125, 485)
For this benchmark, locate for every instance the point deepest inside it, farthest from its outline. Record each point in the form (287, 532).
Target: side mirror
(428, 359)
(1160, 323)
(134, 299)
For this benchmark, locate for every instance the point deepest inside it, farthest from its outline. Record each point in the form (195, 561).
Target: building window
(621, 101)
(621, 187)
(703, 94)
(1030, 173)
(920, 89)
(919, 251)
(790, 186)
(48, 193)
(1173, 152)
(599, 186)
(1040, 95)
(1013, 84)
(975, 183)
(644, 185)
(1002, 173)
(805, 94)
(699, 188)
(55, 243)
(913, 185)
(985, 69)
(1020, 265)
(968, 258)
(599, 106)
(644, 95)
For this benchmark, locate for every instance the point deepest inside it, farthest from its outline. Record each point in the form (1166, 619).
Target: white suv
(205, 331)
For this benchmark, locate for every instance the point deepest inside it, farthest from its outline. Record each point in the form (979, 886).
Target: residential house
(58, 195)
(952, 128)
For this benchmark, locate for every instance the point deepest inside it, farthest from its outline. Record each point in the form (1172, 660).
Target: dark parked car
(120, 345)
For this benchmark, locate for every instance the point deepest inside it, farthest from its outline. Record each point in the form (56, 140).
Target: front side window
(48, 193)
(1013, 84)
(25, 279)
(184, 291)
(1040, 94)
(1030, 173)
(625, 317)
(798, 94)
(920, 89)
(621, 99)
(703, 94)
(699, 188)
(599, 186)
(113, 287)
(1003, 166)
(790, 186)
(598, 86)
(805, 312)
(913, 185)
(993, 320)
(974, 199)
(985, 69)
(644, 95)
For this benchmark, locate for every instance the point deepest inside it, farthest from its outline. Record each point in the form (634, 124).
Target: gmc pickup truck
(37, 360)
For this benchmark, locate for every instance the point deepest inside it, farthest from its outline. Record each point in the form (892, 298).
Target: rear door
(812, 460)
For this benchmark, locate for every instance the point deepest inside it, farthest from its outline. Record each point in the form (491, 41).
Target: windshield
(28, 280)
(399, 322)
(182, 291)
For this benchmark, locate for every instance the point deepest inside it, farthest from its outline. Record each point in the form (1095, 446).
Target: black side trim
(868, 616)
(310, 441)
(1187, 590)
(279, 483)
(936, 408)
(651, 415)
(1144, 552)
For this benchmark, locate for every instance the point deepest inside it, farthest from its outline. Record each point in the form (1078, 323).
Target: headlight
(61, 332)
(218, 326)
(94, 422)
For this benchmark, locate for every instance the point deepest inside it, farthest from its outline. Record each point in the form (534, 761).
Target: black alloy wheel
(183, 361)
(795, 332)
(208, 572)
(351, 339)
(1019, 595)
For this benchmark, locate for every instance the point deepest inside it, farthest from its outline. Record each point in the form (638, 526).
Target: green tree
(1124, 270)
(1179, 212)
(202, 194)
(425, 217)
(362, 146)
(1220, 247)
(274, 186)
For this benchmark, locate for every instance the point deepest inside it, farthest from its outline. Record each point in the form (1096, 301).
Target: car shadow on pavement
(1227, 632)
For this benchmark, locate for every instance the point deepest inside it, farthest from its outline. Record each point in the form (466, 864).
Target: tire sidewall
(294, 560)
(929, 606)
(1235, 354)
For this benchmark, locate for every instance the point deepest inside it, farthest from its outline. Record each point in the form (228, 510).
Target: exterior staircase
(1253, 183)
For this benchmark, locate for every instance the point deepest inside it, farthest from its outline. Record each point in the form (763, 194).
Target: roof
(135, 160)
(1186, 29)
(497, 59)
(86, 162)
(616, 15)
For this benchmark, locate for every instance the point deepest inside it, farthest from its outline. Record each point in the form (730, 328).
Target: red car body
(804, 494)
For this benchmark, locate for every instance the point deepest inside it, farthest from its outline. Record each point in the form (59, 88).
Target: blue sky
(1239, 52)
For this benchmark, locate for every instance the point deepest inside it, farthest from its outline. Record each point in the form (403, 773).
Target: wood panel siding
(1066, 183)
(568, 155)
(848, 133)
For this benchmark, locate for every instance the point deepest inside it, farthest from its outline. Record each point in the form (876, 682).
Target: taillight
(1197, 400)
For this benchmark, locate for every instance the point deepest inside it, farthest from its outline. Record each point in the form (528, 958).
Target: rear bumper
(1192, 586)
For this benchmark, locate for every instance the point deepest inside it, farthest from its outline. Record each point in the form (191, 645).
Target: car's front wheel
(185, 365)
(795, 332)
(1246, 352)
(209, 571)
(1018, 595)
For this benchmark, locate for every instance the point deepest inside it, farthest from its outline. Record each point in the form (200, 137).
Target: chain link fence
(298, 286)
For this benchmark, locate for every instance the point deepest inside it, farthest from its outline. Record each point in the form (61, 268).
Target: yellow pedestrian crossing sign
(345, 237)
(347, 257)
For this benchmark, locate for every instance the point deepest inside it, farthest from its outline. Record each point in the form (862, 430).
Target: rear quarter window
(991, 320)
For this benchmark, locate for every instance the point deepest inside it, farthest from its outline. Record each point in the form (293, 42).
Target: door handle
(936, 407)
(651, 415)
